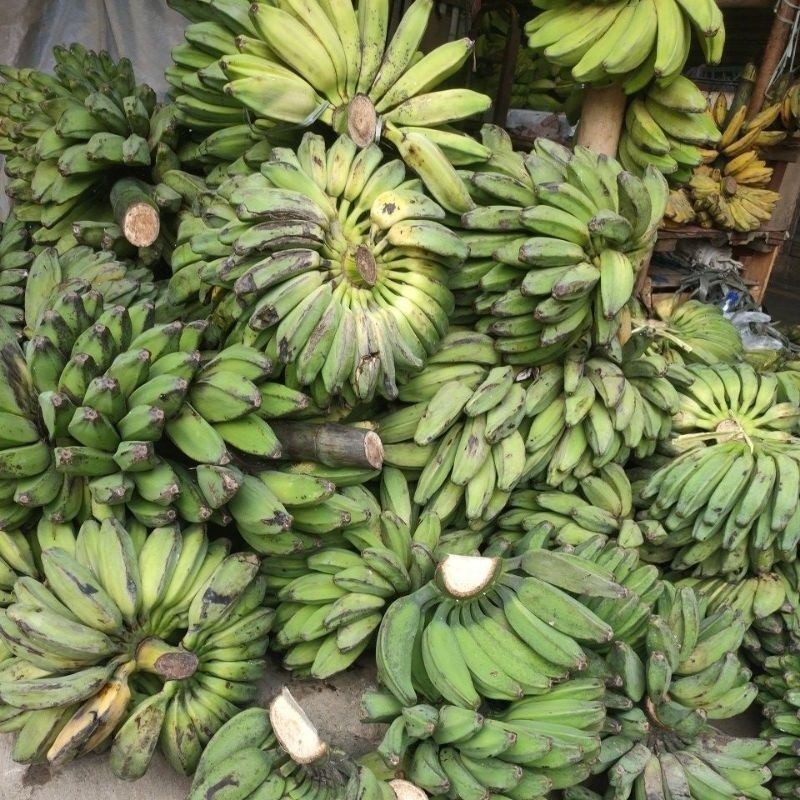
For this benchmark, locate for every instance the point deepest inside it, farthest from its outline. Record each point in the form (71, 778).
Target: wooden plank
(758, 269)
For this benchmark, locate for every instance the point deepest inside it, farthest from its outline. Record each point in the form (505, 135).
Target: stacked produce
(593, 226)
(332, 601)
(306, 62)
(628, 41)
(69, 138)
(692, 332)
(92, 659)
(684, 673)
(418, 386)
(354, 290)
(728, 500)
(668, 127)
(778, 697)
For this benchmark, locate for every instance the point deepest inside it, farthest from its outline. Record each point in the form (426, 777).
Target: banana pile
(461, 429)
(98, 390)
(779, 703)
(601, 505)
(728, 501)
(684, 673)
(481, 629)
(730, 192)
(332, 601)
(68, 138)
(567, 261)
(630, 41)
(692, 332)
(588, 412)
(534, 745)
(352, 291)
(308, 61)
(91, 655)
(278, 753)
(733, 198)
(670, 128)
(537, 84)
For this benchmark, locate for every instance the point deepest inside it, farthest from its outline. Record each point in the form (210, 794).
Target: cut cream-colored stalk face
(294, 730)
(466, 576)
(403, 790)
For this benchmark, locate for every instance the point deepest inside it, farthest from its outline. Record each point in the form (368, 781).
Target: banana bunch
(680, 210)
(520, 531)
(632, 42)
(754, 598)
(15, 260)
(278, 753)
(669, 128)
(684, 673)
(790, 108)
(691, 331)
(778, 699)
(333, 263)
(588, 412)
(537, 84)
(742, 134)
(98, 390)
(331, 602)
(140, 639)
(68, 138)
(534, 745)
(728, 499)
(81, 268)
(494, 628)
(17, 558)
(600, 505)
(725, 202)
(461, 430)
(556, 243)
(300, 62)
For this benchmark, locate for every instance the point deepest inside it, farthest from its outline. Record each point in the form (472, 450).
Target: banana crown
(353, 292)
(732, 457)
(102, 615)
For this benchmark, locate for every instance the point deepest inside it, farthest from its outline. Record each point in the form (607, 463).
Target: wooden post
(785, 13)
(602, 115)
(330, 444)
(135, 211)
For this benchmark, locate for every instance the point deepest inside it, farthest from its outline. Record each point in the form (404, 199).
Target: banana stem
(172, 663)
(467, 576)
(295, 731)
(601, 119)
(135, 211)
(330, 444)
